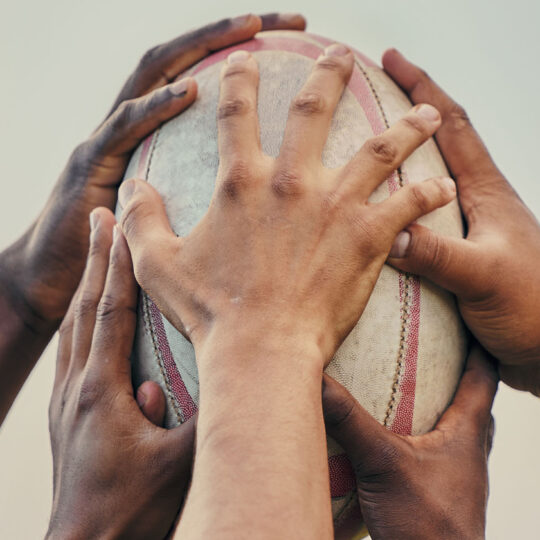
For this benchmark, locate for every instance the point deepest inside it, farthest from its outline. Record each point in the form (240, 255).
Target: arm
(266, 287)
(424, 487)
(494, 270)
(40, 272)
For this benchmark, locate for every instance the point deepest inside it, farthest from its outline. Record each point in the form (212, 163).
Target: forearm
(22, 341)
(261, 466)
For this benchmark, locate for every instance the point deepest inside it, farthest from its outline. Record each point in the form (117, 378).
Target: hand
(428, 486)
(284, 240)
(41, 270)
(116, 474)
(494, 270)
(266, 287)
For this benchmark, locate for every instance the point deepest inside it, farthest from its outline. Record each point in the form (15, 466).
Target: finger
(449, 262)
(465, 154)
(283, 21)
(93, 281)
(146, 227)
(364, 440)
(311, 111)
(151, 401)
(162, 64)
(65, 341)
(238, 124)
(135, 119)
(114, 331)
(414, 201)
(470, 412)
(381, 155)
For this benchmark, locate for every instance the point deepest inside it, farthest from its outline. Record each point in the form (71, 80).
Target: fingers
(470, 412)
(311, 111)
(146, 228)
(238, 124)
(449, 262)
(162, 64)
(414, 201)
(364, 440)
(151, 401)
(135, 119)
(383, 154)
(112, 340)
(91, 288)
(464, 152)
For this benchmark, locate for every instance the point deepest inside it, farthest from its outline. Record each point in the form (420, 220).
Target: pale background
(62, 62)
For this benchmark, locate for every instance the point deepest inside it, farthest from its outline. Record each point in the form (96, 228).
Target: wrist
(15, 291)
(251, 342)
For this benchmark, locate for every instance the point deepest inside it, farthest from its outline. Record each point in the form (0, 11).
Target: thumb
(151, 401)
(447, 261)
(146, 228)
(366, 442)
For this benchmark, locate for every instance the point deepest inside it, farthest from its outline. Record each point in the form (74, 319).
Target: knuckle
(382, 150)
(372, 233)
(83, 157)
(237, 106)
(150, 57)
(308, 103)
(202, 34)
(333, 64)
(235, 179)
(434, 255)
(122, 116)
(287, 183)
(89, 394)
(107, 309)
(457, 117)
(86, 307)
(135, 211)
(420, 198)
(415, 124)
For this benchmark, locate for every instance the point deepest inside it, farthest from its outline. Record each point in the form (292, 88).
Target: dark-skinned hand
(40, 272)
(44, 267)
(421, 487)
(116, 473)
(493, 271)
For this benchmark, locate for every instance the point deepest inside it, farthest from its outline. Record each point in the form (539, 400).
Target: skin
(116, 474)
(493, 271)
(428, 486)
(40, 272)
(272, 280)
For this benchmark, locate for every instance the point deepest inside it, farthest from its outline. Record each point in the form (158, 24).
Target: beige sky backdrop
(62, 63)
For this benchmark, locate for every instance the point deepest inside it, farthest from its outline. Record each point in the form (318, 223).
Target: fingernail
(428, 112)
(450, 184)
(125, 192)
(94, 220)
(141, 398)
(337, 49)
(115, 232)
(179, 88)
(400, 245)
(237, 56)
(243, 20)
